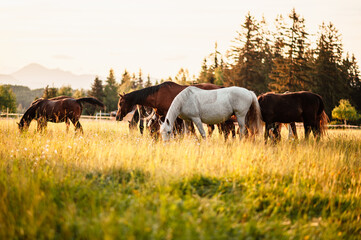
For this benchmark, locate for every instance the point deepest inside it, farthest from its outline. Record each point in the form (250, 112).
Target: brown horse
(58, 109)
(159, 97)
(301, 106)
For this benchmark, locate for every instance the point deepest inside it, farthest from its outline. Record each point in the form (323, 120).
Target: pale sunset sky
(158, 36)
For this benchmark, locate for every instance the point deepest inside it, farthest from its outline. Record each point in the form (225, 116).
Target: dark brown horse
(58, 109)
(159, 97)
(302, 106)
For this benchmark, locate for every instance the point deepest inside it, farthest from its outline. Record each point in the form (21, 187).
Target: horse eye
(168, 132)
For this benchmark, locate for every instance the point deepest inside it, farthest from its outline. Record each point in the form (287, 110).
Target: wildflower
(55, 151)
(25, 149)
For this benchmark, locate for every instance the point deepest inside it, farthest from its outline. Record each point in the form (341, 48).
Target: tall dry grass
(109, 183)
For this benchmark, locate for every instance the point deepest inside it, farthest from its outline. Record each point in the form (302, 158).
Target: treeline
(287, 60)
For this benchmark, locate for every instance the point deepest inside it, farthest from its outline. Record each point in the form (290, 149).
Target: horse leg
(210, 129)
(77, 125)
(225, 131)
(277, 131)
(241, 123)
(316, 130)
(178, 125)
(292, 131)
(190, 128)
(42, 123)
(141, 126)
(229, 127)
(266, 132)
(199, 125)
(67, 124)
(219, 126)
(307, 128)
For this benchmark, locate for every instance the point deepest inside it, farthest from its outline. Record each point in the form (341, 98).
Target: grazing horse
(58, 109)
(159, 97)
(212, 107)
(301, 106)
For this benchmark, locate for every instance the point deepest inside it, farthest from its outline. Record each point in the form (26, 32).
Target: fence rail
(110, 118)
(18, 115)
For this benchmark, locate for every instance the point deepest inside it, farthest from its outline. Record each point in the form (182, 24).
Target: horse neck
(29, 115)
(174, 111)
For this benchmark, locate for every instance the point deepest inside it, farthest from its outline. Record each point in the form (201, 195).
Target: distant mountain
(37, 76)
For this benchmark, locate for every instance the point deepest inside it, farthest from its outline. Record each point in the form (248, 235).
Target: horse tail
(322, 121)
(90, 100)
(253, 117)
(322, 118)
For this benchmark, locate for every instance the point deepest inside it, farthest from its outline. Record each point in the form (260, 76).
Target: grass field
(112, 184)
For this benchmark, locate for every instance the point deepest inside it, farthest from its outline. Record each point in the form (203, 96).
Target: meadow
(109, 183)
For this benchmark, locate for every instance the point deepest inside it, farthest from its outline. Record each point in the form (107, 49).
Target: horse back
(57, 110)
(289, 107)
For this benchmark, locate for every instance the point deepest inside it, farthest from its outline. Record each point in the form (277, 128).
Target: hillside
(24, 95)
(37, 76)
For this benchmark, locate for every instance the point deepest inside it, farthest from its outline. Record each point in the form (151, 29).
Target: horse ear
(160, 121)
(120, 95)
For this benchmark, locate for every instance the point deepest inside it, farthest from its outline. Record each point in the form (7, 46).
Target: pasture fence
(98, 117)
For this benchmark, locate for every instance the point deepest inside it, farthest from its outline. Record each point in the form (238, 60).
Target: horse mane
(31, 111)
(37, 101)
(59, 97)
(139, 96)
(54, 98)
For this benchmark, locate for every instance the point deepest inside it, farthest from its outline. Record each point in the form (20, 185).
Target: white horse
(212, 107)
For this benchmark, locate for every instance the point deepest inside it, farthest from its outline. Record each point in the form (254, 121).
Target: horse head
(23, 126)
(166, 129)
(153, 126)
(124, 107)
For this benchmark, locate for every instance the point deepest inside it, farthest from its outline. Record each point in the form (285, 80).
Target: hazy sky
(159, 36)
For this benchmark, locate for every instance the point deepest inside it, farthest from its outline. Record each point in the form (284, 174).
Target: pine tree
(134, 82)
(126, 84)
(354, 82)
(148, 83)
(140, 84)
(290, 71)
(203, 74)
(278, 75)
(97, 92)
(182, 77)
(249, 57)
(111, 92)
(328, 81)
